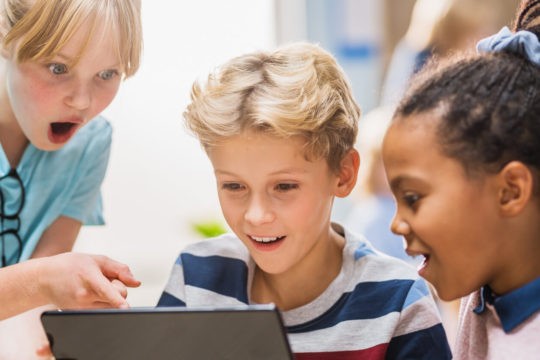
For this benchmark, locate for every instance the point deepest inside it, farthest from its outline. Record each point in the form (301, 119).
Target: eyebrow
(396, 182)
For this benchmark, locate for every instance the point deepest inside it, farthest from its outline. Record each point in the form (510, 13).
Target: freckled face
(50, 101)
(446, 216)
(277, 202)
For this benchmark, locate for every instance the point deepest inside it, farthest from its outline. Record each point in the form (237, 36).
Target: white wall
(159, 180)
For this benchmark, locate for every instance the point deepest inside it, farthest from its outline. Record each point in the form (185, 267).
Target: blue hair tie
(523, 43)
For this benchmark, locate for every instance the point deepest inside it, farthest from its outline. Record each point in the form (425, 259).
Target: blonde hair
(296, 90)
(42, 27)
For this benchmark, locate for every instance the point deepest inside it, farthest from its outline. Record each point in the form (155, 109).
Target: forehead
(411, 151)
(409, 138)
(260, 153)
(253, 144)
(96, 43)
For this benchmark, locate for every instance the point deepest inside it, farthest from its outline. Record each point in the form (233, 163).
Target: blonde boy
(279, 129)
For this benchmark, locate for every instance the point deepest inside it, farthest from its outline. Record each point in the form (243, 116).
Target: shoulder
(387, 280)
(216, 255)
(218, 265)
(94, 136)
(372, 264)
(98, 131)
(99, 124)
(226, 245)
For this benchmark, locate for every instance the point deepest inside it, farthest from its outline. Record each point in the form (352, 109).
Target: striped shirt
(376, 307)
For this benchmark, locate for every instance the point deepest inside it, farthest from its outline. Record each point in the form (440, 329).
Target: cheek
(32, 102)
(103, 97)
(311, 212)
(25, 91)
(231, 209)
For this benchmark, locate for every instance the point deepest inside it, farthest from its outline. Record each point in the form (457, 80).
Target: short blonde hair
(296, 90)
(43, 27)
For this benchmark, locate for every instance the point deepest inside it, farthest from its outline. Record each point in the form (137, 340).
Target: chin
(48, 146)
(450, 294)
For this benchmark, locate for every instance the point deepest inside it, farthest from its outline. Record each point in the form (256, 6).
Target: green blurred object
(209, 229)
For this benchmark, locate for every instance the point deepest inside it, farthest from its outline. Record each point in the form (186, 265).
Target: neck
(521, 264)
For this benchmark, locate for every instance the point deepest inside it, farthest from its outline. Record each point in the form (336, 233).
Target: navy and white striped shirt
(376, 308)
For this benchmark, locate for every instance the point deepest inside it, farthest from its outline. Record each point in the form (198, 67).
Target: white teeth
(264, 239)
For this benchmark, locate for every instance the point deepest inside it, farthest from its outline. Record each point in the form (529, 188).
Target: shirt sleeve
(420, 334)
(86, 204)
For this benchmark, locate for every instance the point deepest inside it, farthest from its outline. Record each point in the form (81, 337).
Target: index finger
(108, 293)
(115, 270)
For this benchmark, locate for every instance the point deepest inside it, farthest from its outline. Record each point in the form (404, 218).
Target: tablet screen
(248, 332)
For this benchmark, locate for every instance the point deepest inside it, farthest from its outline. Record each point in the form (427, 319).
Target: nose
(259, 211)
(79, 97)
(399, 226)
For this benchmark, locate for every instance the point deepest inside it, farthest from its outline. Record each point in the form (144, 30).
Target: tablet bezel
(242, 332)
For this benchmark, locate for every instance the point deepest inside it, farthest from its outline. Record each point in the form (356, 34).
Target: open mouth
(425, 260)
(422, 267)
(60, 132)
(266, 239)
(267, 243)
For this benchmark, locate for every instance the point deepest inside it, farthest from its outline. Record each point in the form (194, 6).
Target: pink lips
(60, 132)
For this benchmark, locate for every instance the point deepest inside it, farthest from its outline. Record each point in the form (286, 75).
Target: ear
(515, 188)
(348, 173)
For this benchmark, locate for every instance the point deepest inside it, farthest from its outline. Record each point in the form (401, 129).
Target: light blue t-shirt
(65, 182)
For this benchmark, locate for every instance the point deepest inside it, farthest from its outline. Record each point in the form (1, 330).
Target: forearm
(58, 238)
(21, 288)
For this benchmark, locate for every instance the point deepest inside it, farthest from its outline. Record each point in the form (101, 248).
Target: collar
(512, 308)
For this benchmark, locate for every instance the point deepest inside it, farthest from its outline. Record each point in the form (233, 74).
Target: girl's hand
(73, 281)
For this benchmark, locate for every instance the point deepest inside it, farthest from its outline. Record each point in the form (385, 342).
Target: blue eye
(57, 69)
(107, 74)
(286, 187)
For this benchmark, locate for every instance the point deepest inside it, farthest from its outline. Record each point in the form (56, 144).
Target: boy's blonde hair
(40, 28)
(296, 90)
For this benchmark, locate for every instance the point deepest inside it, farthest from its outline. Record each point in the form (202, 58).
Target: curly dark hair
(490, 104)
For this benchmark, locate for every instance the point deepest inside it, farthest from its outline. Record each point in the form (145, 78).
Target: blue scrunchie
(524, 43)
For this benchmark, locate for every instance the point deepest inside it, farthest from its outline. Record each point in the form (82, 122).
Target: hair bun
(524, 43)
(528, 17)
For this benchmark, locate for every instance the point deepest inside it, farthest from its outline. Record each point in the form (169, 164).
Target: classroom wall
(159, 180)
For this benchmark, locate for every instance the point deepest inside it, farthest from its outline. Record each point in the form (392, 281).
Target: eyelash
(232, 186)
(283, 187)
(411, 199)
(112, 73)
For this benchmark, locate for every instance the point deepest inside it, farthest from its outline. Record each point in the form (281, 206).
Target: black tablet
(247, 332)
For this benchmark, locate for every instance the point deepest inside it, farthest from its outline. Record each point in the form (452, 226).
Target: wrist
(39, 281)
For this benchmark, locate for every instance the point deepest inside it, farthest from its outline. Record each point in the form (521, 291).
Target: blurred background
(160, 183)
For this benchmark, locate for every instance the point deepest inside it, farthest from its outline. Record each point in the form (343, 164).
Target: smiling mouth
(266, 240)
